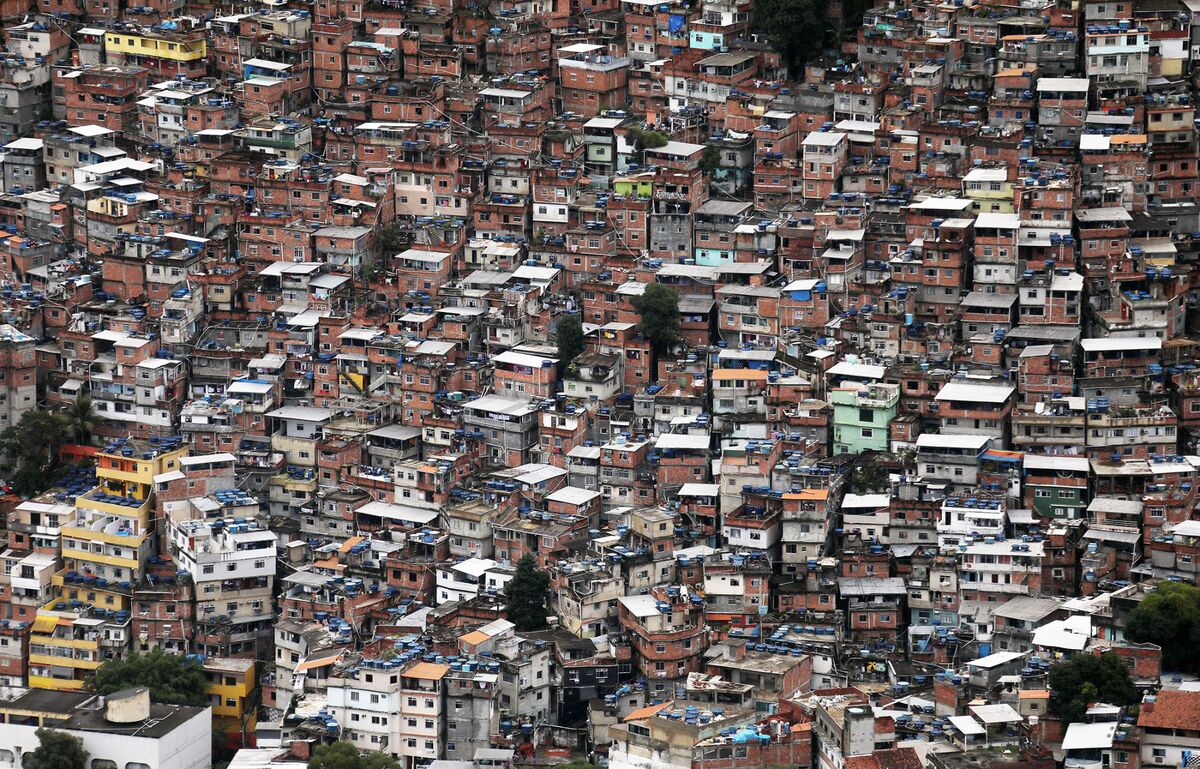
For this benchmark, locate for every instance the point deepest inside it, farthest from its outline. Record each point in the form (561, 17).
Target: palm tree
(81, 418)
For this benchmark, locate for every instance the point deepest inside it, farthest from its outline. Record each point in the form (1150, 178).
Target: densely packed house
(839, 400)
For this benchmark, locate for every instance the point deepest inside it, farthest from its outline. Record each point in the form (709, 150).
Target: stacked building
(836, 397)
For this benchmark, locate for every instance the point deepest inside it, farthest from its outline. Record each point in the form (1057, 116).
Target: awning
(645, 712)
(427, 671)
(1124, 536)
(967, 725)
(317, 663)
(45, 625)
(996, 455)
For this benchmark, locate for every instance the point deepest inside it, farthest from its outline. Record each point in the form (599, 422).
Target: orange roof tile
(861, 762)
(646, 712)
(318, 663)
(738, 373)
(807, 494)
(351, 542)
(429, 671)
(475, 637)
(898, 758)
(1172, 710)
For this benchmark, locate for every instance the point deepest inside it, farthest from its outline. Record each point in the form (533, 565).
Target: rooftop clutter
(841, 398)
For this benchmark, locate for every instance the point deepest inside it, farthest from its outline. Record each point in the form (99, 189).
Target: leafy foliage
(800, 29)
(171, 679)
(568, 333)
(526, 595)
(30, 450)
(710, 159)
(81, 419)
(658, 307)
(1088, 678)
(1169, 617)
(343, 755)
(646, 139)
(390, 239)
(795, 27)
(57, 750)
(868, 478)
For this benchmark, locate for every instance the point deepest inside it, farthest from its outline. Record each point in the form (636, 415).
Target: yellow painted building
(104, 551)
(161, 48)
(64, 646)
(233, 695)
(989, 190)
(631, 186)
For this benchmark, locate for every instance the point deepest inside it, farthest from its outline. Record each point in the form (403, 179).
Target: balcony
(111, 529)
(73, 578)
(595, 63)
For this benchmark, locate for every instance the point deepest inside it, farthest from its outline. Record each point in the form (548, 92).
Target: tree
(57, 750)
(568, 333)
(1088, 678)
(1169, 617)
(526, 594)
(646, 139)
(30, 450)
(391, 239)
(343, 755)
(81, 419)
(658, 307)
(710, 160)
(797, 28)
(172, 679)
(869, 477)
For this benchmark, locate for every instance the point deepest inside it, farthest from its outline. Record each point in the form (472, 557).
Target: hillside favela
(599, 384)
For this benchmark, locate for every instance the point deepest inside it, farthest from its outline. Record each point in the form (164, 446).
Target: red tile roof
(898, 758)
(1172, 710)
